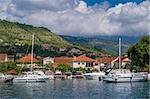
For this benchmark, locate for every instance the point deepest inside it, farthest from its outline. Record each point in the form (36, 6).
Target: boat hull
(31, 79)
(125, 79)
(122, 80)
(6, 78)
(149, 77)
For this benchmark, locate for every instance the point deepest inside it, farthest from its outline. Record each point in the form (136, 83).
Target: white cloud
(74, 17)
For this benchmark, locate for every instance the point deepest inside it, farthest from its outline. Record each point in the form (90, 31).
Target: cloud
(75, 17)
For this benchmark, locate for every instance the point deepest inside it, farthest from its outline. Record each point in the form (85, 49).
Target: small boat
(5, 78)
(94, 75)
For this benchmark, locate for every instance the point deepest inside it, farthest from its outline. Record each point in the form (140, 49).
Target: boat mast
(119, 53)
(32, 51)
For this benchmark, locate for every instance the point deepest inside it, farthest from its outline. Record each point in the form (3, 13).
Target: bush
(64, 68)
(8, 66)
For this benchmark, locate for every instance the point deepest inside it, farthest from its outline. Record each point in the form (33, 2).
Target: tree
(140, 54)
(9, 66)
(64, 67)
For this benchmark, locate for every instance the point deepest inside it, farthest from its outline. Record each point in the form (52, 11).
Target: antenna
(119, 53)
(32, 51)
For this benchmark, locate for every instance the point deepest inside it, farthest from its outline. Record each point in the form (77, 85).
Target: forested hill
(106, 43)
(13, 33)
(16, 38)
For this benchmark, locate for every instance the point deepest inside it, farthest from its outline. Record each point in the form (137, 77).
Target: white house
(48, 60)
(82, 61)
(124, 61)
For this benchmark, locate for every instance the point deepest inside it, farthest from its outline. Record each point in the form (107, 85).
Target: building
(11, 58)
(105, 62)
(62, 60)
(26, 61)
(76, 62)
(124, 61)
(48, 60)
(3, 57)
(82, 61)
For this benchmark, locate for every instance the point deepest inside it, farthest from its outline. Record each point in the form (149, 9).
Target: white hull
(134, 77)
(148, 76)
(5, 78)
(129, 79)
(94, 76)
(36, 76)
(36, 79)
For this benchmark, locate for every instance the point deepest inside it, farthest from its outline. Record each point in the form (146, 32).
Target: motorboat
(5, 78)
(94, 75)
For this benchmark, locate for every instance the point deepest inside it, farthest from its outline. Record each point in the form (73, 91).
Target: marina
(74, 49)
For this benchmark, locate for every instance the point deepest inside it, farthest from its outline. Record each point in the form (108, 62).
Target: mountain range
(103, 43)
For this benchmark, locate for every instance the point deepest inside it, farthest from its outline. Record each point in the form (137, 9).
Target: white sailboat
(32, 76)
(124, 75)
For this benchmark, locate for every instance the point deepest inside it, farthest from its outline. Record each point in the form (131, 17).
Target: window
(78, 63)
(82, 63)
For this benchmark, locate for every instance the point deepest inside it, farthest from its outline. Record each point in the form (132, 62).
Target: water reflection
(75, 89)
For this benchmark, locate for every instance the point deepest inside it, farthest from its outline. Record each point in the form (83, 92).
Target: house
(62, 49)
(62, 60)
(48, 60)
(82, 61)
(26, 61)
(47, 47)
(76, 62)
(105, 62)
(3, 57)
(75, 51)
(124, 61)
(11, 58)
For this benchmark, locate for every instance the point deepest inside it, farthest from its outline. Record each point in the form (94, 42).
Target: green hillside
(12, 33)
(16, 38)
(101, 43)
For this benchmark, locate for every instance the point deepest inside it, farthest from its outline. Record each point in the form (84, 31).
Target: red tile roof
(26, 59)
(124, 59)
(3, 57)
(105, 59)
(83, 58)
(63, 60)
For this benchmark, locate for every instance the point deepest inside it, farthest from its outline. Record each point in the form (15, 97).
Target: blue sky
(111, 2)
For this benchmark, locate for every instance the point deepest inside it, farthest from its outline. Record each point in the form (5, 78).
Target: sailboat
(124, 75)
(32, 76)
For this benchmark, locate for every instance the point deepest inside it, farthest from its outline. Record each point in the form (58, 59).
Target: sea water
(75, 89)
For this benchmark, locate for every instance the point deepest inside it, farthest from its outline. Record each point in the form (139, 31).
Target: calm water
(75, 89)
